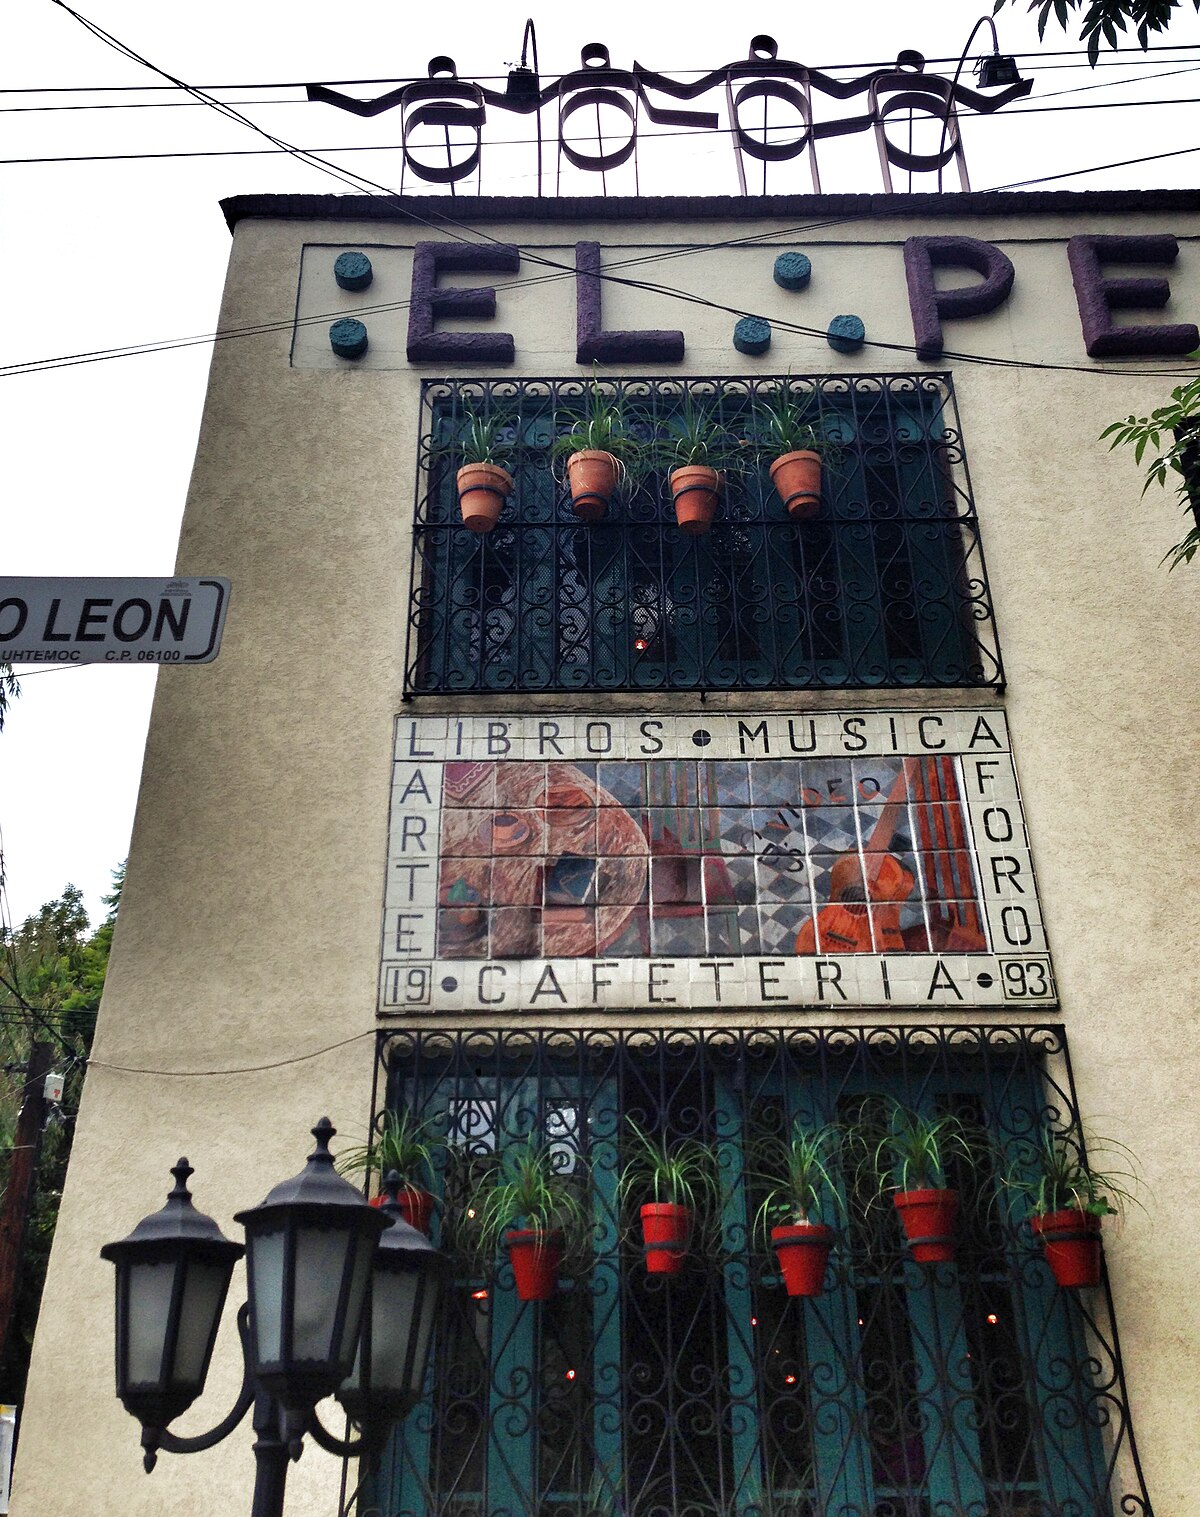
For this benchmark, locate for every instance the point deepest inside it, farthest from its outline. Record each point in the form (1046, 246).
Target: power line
(1140, 59)
(244, 1069)
(696, 134)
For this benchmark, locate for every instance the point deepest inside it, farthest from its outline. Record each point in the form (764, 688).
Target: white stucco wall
(249, 928)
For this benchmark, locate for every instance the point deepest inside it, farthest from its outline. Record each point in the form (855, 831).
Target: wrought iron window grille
(976, 1388)
(885, 588)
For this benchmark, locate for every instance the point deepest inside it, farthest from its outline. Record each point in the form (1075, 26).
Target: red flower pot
(535, 1259)
(592, 475)
(696, 490)
(803, 1250)
(927, 1217)
(797, 479)
(1071, 1240)
(416, 1206)
(666, 1229)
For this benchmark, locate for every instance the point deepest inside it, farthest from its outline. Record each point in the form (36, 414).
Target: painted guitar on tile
(878, 878)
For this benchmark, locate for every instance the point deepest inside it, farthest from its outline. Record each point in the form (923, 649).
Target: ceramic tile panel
(571, 862)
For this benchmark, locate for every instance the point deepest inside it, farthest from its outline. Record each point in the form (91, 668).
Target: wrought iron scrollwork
(977, 1387)
(885, 587)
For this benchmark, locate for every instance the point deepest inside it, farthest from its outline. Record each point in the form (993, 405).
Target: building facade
(590, 826)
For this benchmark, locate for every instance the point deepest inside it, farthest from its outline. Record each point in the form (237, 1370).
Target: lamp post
(333, 1308)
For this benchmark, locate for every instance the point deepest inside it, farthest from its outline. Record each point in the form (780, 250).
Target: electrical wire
(162, 105)
(1042, 57)
(695, 134)
(243, 1069)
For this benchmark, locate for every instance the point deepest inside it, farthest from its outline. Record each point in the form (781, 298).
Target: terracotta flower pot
(1071, 1240)
(927, 1217)
(482, 491)
(416, 1206)
(803, 1250)
(593, 477)
(696, 490)
(797, 479)
(666, 1229)
(535, 1259)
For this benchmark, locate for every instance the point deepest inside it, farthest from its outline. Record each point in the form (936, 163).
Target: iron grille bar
(885, 588)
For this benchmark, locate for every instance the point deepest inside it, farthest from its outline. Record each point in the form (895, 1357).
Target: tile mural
(566, 862)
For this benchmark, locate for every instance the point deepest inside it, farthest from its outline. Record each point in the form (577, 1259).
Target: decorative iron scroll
(976, 1388)
(446, 102)
(885, 587)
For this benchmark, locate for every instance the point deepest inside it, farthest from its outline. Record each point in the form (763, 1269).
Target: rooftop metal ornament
(621, 100)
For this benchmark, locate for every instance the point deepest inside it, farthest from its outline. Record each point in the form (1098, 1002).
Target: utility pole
(22, 1176)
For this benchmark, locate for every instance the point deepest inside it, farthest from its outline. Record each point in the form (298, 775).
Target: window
(905, 1390)
(884, 588)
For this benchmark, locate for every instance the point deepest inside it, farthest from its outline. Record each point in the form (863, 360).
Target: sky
(122, 251)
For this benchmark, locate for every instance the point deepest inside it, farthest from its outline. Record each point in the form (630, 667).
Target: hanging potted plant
(534, 1203)
(1067, 1199)
(789, 432)
(796, 1171)
(678, 1180)
(692, 446)
(406, 1146)
(911, 1159)
(483, 482)
(596, 450)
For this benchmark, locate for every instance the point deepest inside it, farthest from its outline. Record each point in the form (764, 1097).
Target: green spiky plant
(404, 1144)
(480, 441)
(914, 1150)
(798, 1173)
(532, 1188)
(683, 1173)
(1052, 1173)
(599, 423)
(786, 421)
(692, 437)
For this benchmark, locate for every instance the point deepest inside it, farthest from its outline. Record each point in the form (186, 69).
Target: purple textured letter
(425, 345)
(1099, 297)
(592, 343)
(928, 304)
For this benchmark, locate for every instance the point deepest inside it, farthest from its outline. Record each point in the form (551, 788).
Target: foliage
(532, 1187)
(599, 424)
(681, 1174)
(785, 422)
(1177, 421)
(481, 440)
(797, 1171)
(403, 1144)
(691, 436)
(914, 1150)
(52, 970)
(9, 690)
(1103, 20)
(1052, 1173)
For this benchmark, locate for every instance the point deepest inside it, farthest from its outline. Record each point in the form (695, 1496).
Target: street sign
(111, 621)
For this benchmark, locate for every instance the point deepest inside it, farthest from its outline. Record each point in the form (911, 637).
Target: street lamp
(316, 1270)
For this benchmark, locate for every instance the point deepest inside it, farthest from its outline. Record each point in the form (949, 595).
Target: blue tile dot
(793, 271)
(353, 271)
(752, 335)
(348, 338)
(846, 334)
(449, 984)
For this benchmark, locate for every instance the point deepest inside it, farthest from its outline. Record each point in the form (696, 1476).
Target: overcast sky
(102, 254)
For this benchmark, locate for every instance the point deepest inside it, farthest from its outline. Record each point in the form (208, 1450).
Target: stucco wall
(249, 927)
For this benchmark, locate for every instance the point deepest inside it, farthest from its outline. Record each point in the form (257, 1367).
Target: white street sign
(111, 621)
